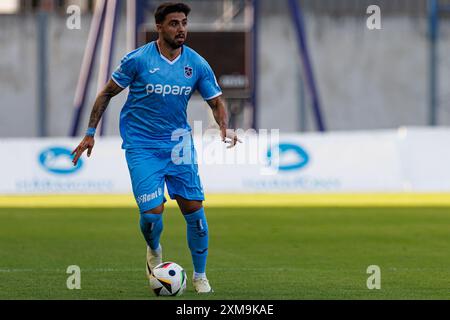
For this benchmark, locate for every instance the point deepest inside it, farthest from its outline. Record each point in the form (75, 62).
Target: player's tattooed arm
(221, 116)
(101, 103)
(220, 112)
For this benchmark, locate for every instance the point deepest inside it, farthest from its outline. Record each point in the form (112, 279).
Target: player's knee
(191, 207)
(157, 210)
(188, 206)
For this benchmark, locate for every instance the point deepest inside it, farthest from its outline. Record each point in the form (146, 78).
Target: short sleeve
(208, 86)
(125, 73)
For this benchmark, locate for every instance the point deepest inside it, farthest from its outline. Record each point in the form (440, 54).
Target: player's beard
(173, 43)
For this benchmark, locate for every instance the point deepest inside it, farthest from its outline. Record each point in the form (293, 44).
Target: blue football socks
(197, 236)
(151, 227)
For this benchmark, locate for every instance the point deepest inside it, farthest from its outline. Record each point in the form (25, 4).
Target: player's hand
(230, 137)
(86, 144)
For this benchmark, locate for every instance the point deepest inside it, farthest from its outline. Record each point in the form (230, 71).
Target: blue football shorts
(150, 169)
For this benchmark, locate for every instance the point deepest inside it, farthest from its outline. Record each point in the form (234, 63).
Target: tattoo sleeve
(219, 111)
(101, 102)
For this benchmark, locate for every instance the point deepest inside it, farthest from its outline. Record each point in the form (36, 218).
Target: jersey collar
(167, 60)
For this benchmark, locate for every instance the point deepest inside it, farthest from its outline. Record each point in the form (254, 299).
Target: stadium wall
(366, 79)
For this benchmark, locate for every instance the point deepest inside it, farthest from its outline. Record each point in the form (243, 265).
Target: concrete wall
(18, 89)
(367, 79)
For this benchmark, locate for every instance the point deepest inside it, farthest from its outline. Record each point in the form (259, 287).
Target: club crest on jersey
(188, 71)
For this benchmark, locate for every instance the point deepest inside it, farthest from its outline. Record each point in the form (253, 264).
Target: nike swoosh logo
(202, 251)
(154, 70)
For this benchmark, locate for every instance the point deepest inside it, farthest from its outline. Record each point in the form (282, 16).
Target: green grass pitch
(255, 253)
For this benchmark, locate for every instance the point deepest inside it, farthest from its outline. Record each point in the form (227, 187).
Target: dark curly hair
(170, 7)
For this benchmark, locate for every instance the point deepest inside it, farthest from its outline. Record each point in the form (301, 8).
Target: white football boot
(153, 259)
(201, 285)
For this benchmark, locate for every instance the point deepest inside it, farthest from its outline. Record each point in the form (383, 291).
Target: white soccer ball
(168, 279)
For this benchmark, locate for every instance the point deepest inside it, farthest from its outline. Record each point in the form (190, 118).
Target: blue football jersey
(159, 92)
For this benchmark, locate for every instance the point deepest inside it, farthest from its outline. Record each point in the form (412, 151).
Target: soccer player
(162, 76)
